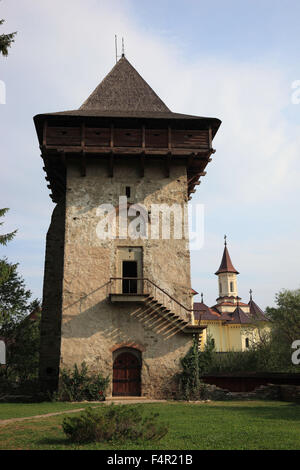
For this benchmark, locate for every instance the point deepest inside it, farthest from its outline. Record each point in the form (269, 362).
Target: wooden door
(126, 375)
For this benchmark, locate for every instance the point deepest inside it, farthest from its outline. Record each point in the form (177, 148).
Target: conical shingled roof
(256, 312)
(123, 89)
(226, 265)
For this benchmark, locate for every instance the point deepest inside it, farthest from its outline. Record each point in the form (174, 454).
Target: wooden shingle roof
(123, 89)
(124, 94)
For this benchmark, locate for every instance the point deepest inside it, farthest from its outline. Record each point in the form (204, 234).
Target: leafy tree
(6, 41)
(285, 321)
(23, 351)
(14, 299)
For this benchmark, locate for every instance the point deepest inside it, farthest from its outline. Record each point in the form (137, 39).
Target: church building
(120, 303)
(231, 324)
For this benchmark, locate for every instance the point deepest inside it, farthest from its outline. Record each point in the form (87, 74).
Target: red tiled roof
(203, 312)
(226, 265)
(256, 312)
(239, 316)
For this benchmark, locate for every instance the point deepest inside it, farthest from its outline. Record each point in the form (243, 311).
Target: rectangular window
(129, 271)
(247, 342)
(231, 287)
(128, 192)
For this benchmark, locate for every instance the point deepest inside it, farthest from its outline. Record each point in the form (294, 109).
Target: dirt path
(4, 422)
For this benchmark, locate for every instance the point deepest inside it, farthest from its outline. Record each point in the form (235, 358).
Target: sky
(234, 60)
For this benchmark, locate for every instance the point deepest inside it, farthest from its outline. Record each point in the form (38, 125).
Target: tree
(14, 299)
(6, 41)
(5, 267)
(4, 239)
(285, 322)
(23, 351)
(286, 316)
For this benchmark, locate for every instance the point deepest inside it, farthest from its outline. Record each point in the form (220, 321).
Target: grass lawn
(23, 410)
(215, 425)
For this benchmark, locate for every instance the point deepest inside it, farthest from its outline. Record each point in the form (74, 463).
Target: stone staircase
(159, 309)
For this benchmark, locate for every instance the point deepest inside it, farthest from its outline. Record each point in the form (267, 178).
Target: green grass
(216, 425)
(23, 410)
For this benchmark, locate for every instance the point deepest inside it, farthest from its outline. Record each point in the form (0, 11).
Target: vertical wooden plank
(111, 135)
(169, 138)
(83, 134)
(210, 138)
(111, 165)
(45, 133)
(143, 137)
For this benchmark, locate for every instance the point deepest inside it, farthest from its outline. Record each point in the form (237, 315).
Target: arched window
(231, 287)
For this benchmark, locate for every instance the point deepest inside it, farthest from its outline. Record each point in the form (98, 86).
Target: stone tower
(120, 303)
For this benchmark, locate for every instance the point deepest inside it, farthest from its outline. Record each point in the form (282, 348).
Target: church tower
(118, 302)
(227, 277)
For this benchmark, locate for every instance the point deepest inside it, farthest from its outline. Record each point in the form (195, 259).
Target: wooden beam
(45, 133)
(83, 163)
(168, 164)
(63, 158)
(169, 137)
(111, 136)
(111, 165)
(143, 137)
(142, 165)
(83, 135)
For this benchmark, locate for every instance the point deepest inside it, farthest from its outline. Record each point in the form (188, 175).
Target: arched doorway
(127, 374)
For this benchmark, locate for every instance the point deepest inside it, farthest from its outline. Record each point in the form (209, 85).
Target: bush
(78, 385)
(114, 422)
(194, 364)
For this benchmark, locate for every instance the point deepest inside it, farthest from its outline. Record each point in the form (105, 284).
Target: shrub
(78, 385)
(193, 364)
(114, 422)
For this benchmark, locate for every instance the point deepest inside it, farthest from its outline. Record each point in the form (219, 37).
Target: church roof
(226, 265)
(238, 316)
(123, 89)
(256, 312)
(203, 312)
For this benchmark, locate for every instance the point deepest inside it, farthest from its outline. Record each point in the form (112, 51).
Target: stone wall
(52, 301)
(91, 325)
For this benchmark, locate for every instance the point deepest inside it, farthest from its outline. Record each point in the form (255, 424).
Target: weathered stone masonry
(123, 139)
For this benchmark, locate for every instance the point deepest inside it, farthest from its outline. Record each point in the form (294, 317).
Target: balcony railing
(133, 286)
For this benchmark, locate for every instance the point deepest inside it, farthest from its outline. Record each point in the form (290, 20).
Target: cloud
(64, 48)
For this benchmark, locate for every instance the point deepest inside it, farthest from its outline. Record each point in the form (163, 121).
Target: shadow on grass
(287, 412)
(59, 441)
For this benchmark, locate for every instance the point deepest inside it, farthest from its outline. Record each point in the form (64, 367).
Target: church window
(247, 342)
(231, 287)
(220, 287)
